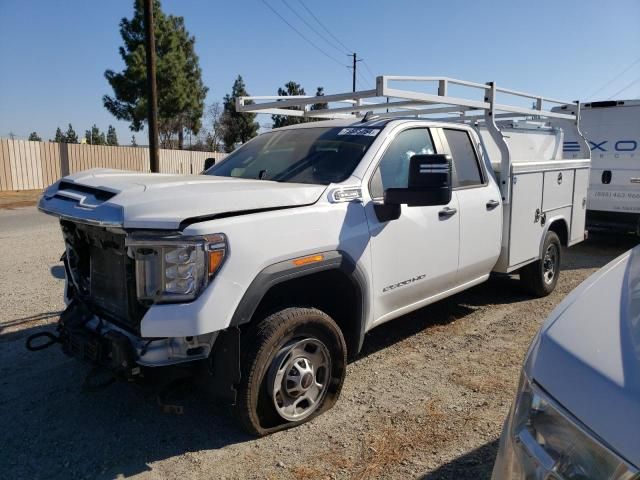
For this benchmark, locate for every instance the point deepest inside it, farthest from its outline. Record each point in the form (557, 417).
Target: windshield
(319, 155)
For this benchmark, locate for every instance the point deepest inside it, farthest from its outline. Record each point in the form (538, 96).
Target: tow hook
(51, 339)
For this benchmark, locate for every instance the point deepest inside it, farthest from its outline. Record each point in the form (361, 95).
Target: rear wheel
(541, 277)
(293, 368)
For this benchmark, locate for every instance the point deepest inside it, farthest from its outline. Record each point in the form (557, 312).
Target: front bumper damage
(85, 336)
(88, 337)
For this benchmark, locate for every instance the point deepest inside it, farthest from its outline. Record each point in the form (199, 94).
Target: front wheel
(541, 277)
(293, 368)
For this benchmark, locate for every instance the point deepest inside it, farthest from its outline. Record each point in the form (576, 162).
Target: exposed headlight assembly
(554, 445)
(175, 268)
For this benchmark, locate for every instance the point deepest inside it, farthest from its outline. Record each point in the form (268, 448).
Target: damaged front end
(117, 277)
(108, 279)
(111, 349)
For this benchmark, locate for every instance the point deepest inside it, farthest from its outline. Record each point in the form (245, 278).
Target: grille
(105, 274)
(109, 290)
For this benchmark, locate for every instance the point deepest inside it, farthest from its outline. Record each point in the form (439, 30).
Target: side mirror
(208, 163)
(429, 183)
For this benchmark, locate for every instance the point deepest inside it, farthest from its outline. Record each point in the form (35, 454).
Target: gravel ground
(426, 399)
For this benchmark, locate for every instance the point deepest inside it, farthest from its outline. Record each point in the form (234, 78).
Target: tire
(541, 277)
(293, 365)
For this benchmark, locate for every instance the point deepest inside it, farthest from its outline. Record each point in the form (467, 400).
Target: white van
(613, 131)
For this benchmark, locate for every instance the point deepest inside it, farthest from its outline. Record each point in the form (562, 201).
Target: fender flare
(286, 270)
(551, 221)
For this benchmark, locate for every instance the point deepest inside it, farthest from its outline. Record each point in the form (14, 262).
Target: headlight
(175, 268)
(556, 446)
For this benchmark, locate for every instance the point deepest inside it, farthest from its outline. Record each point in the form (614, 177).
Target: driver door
(415, 256)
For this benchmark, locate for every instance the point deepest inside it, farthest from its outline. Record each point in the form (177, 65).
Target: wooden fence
(28, 165)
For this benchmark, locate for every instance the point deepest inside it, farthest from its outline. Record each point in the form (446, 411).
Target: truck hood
(587, 356)
(161, 201)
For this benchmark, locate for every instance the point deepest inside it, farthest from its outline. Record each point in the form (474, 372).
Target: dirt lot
(426, 399)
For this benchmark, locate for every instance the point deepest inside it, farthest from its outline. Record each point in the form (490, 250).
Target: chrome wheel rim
(299, 378)
(549, 264)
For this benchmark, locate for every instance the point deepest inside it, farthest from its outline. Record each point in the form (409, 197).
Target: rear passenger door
(479, 204)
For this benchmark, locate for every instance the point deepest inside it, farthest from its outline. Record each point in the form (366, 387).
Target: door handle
(491, 204)
(447, 212)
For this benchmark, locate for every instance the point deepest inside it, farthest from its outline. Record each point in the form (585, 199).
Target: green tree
(181, 92)
(237, 127)
(34, 137)
(95, 136)
(112, 137)
(291, 88)
(59, 138)
(320, 105)
(133, 141)
(70, 136)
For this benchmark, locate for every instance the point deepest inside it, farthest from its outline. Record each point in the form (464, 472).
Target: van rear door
(613, 132)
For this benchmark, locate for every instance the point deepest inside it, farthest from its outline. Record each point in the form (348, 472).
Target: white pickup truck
(270, 267)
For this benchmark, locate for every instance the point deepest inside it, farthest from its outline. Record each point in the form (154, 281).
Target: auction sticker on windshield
(366, 132)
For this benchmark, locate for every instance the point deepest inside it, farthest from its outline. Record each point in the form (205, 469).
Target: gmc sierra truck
(265, 272)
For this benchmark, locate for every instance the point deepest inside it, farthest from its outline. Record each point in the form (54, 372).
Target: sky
(54, 53)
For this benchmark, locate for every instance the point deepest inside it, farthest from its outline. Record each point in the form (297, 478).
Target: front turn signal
(215, 260)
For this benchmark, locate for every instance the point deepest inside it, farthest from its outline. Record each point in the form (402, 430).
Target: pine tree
(237, 127)
(59, 138)
(34, 137)
(291, 88)
(95, 136)
(112, 137)
(181, 92)
(70, 136)
(133, 141)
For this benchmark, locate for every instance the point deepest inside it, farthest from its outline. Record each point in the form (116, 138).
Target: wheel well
(560, 228)
(331, 291)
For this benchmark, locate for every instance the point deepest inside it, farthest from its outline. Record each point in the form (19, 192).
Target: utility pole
(355, 63)
(152, 97)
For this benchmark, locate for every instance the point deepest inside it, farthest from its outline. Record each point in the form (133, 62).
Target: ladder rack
(391, 101)
(405, 102)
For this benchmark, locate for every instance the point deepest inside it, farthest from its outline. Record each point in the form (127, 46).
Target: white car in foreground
(577, 411)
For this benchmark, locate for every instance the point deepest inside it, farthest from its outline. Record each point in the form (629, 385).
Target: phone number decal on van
(601, 194)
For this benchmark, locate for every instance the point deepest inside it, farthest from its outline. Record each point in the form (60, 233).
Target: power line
(633, 64)
(366, 66)
(360, 84)
(357, 79)
(303, 36)
(625, 88)
(347, 49)
(323, 37)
